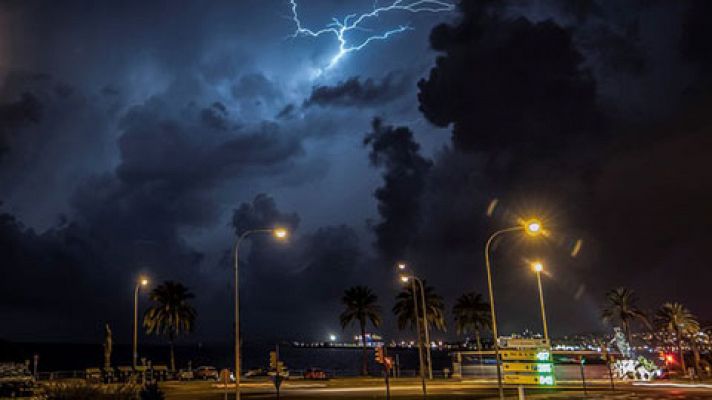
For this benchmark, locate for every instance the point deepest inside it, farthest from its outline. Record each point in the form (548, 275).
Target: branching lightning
(341, 27)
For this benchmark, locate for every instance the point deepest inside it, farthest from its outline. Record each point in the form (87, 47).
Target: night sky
(139, 137)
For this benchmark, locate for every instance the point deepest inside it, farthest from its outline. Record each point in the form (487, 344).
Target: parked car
(185, 375)
(255, 372)
(207, 372)
(315, 374)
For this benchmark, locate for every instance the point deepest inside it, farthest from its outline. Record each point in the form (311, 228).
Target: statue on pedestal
(108, 345)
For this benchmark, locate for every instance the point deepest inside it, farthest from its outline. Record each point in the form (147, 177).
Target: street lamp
(405, 279)
(537, 266)
(531, 227)
(278, 233)
(141, 282)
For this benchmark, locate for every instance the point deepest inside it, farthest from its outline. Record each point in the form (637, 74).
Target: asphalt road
(353, 389)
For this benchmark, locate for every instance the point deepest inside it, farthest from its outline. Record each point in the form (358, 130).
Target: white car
(185, 375)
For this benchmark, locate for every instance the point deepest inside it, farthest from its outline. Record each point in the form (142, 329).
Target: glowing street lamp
(141, 282)
(537, 266)
(405, 278)
(278, 233)
(531, 227)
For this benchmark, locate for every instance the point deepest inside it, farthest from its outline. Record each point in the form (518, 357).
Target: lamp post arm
(236, 265)
(495, 335)
(428, 358)
(135, 327)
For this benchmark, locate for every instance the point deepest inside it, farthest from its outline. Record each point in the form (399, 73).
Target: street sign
(539, 368)
(508, 343)
(539, 380)
(521, 379)
(528, 365)
(526, 355)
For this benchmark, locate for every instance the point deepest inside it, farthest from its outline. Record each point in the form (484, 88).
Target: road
(410, 389)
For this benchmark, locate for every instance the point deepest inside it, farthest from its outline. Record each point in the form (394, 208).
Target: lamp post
(405, 279)
(533, 228)
(538, 267)
(141, 282)
(278, 233)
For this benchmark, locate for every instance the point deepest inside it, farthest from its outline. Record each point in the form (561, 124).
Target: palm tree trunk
(364, 365)
(680, 352)
(626, 328)
(173, 356)
(696, 354)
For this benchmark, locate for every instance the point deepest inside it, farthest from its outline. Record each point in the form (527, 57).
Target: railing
(294, 374)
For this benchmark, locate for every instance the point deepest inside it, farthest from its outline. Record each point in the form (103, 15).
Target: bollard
(583, 377)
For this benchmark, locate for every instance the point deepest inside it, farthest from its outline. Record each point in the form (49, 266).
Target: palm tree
(621, 306)
(170, 315)
(360, 306)
(676, 318)
(434, 305)
(472, 314)
(694, 332)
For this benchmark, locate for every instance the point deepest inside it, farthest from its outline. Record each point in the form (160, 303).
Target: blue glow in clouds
(340, 27)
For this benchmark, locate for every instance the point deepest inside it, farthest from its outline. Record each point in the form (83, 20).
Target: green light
(547, 380)
(543, 355)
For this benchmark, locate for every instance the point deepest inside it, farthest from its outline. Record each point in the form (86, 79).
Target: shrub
(86, 391)
(152, 392)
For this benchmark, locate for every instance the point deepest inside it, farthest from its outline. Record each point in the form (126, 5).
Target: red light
(669, 359)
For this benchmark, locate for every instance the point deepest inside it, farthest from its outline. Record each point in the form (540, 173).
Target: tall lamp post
(533, 228)
(406, 278)
(141, 282)
(278, 233)
(538, 267)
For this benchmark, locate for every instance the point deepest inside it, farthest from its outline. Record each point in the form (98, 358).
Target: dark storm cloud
(172, 157)
(287, 112)
(157, 148)
(254, 87)
(15, 114)
(215, 116)
(23, 101)
(262, 213)
(399, 199)
(696, 48)
(355, 92)
(508, 84)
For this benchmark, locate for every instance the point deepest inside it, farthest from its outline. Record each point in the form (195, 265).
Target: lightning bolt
(341, 27)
